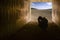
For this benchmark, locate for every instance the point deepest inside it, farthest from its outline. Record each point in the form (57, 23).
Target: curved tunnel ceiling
(41, 5)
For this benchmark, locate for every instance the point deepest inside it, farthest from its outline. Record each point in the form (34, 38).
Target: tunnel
(15, 14)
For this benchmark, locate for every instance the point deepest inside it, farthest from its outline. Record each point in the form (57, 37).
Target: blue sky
(41, 5)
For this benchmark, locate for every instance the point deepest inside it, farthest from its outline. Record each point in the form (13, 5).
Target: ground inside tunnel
(31, 31)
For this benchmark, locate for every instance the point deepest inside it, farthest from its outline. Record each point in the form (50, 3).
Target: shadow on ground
(32, 31)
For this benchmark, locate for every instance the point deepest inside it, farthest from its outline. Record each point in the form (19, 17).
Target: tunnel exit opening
(43, 9)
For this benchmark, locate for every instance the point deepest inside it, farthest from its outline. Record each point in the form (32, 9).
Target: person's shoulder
(45, 18)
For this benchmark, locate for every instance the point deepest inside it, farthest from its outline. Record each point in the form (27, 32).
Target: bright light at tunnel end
(41, 5)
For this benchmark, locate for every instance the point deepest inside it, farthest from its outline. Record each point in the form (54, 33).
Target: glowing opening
(41, 5)
(43, 9)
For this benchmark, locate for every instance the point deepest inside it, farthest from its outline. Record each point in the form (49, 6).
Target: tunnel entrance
(43, 9)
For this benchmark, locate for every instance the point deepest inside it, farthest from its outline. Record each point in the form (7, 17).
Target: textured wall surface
(56, 12)
(13, 15)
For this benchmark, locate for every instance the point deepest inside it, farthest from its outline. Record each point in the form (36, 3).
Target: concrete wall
(13, 15)
(56, 12)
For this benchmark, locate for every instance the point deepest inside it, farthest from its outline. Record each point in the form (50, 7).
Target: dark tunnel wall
(12, 15)
(56, 12)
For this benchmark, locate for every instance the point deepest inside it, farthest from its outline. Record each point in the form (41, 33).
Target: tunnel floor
(31, 31)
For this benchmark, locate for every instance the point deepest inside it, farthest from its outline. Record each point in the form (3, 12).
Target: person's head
(40, 17)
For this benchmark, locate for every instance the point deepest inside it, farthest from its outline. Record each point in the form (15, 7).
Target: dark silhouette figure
(40, 20)
(43, 22)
